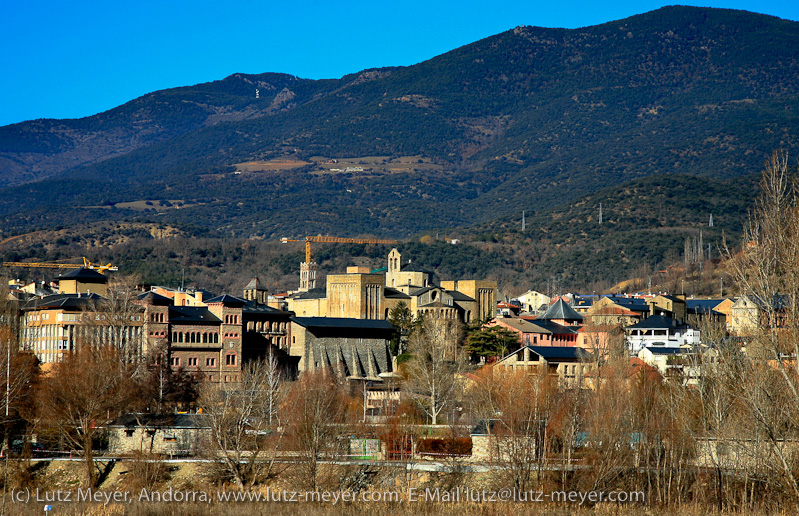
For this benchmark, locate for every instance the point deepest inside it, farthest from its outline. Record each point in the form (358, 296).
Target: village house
(532, 301)
(172, 435)
(709, 311)
(668, 306)
(568, 364)
(750, 313)
(660, 331)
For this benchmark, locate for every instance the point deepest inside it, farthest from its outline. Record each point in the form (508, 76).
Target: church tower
(394, 266)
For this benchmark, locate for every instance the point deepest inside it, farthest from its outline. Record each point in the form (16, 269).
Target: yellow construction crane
(337, 240)
(51, 265)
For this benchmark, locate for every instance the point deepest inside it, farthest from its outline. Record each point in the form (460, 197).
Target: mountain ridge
(524, 119)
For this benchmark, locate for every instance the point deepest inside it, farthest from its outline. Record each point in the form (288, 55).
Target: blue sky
(72, 59)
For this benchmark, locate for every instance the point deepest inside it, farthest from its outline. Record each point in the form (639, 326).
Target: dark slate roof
(630, 303)
(555, 328)
(664, 350)
(65, 301)
(341, 322)
(587, 300)
(555, 353)
(314, 293)
(227, 300)
(657, 322)
(391, 293)
(254, 284)
(162, 421)
(353, 357)
(341, 328)
(459, 296)
(410, 267)
(561, 310)
(703, 305)
(83, 274)
(551, 353)
(670, 298)
(192, 314)
(423, 290)
(154, 298)
(252, 308)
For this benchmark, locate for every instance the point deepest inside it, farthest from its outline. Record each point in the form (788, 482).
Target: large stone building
(56, 324)
(216, 339)
(361, 294)
(354, 349)
(212, 338)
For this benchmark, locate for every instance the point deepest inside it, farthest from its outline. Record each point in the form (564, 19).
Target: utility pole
(523, 222)
(699, 290)
(600, 213)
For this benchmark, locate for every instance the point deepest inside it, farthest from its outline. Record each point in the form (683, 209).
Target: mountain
(645, 225)
(527, 119)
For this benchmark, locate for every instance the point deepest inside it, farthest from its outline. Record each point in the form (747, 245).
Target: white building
(660, 331)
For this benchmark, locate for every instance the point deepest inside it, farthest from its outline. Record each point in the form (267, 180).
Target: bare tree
(436, 359)
(166, 388)
(116, 320)
(84, 392)
(18, 375)
(272, 387)
(609, 451)
(767, 273)
(517, 408)
(315, 407)
(241, 422)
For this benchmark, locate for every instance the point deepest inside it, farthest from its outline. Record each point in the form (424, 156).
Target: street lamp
(456, 409)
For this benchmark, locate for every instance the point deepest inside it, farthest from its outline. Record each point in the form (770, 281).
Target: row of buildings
(342, 326)
(662, 331)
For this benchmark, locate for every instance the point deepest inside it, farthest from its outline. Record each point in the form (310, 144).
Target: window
(193, 361)
(210, 362)
(230, 359)
(175, 361)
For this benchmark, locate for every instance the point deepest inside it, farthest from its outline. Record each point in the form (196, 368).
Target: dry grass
(354, 509)
(187, 477)
(270, 166)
